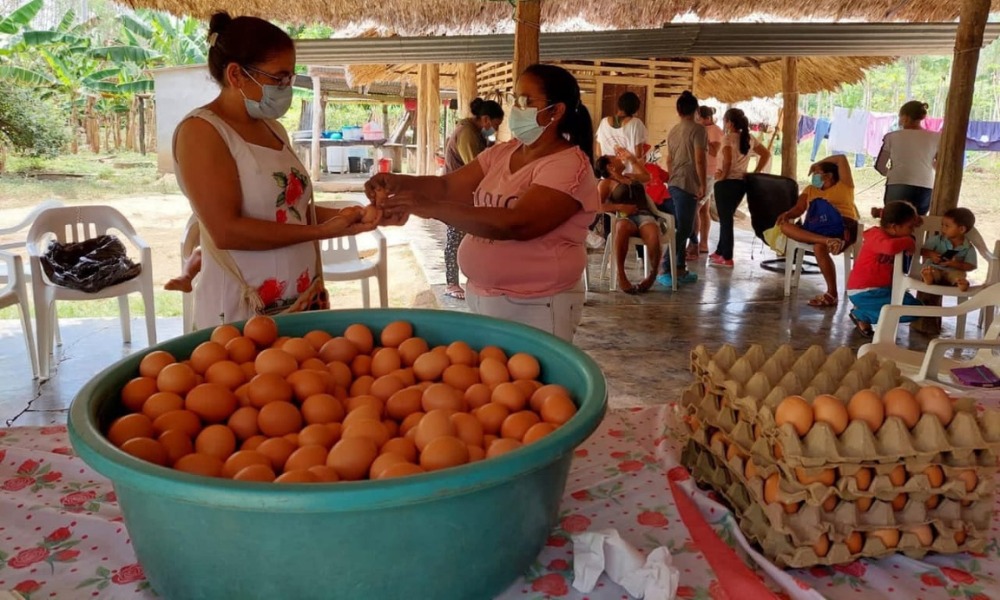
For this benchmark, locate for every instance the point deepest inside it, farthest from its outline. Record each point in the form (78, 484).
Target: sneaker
(714, 257)
(718, 261)
(666, 280)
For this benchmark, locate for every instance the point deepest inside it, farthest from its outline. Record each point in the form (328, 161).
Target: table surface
(62, 535)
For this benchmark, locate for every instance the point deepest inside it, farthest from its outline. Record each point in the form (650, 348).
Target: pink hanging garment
(878, 125)
(933, 123)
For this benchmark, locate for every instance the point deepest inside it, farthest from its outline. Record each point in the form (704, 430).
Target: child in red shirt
(869, 286)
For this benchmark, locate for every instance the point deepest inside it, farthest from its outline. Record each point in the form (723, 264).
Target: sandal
(865, 329)
(824, 301)
(836, 245)
(458, 294)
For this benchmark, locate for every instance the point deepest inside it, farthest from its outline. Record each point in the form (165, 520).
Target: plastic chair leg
(366, 300)
(44, 318)
(150, 310)
(383, 290)
(789, 266)
(960, 323)
(606, 259)
(29, 337)
(673, 268)
(57, 333)
(126, 318)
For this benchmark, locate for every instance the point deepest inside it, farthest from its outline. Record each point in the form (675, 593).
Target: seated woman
(831, 180)
(625, 194)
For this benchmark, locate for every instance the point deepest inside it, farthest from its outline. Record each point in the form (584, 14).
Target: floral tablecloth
(62, 536)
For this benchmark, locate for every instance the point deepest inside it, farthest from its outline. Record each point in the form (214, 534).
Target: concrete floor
(641, 342)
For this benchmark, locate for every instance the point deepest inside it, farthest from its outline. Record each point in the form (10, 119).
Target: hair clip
(212, 37)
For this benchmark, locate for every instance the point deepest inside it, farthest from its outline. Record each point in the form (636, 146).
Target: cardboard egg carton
(788, 539)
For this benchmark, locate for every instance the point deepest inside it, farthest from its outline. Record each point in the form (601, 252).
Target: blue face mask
(488, 132)
(524, 124)
(816, 180)
(274, 101)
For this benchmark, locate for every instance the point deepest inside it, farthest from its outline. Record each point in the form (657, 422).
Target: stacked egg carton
(824, 498)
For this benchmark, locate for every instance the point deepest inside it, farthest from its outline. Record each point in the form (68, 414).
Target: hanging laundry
(878, 125)
(821, 132)
(933, 123)
(847, 133)
(807, 126)
(983, 136)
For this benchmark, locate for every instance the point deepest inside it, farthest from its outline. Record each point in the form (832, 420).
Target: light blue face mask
(274, 102)
(816, 180)
(489, 132)
(524, 124)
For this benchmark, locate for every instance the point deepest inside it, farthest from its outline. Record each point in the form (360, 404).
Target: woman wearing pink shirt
(526, 205)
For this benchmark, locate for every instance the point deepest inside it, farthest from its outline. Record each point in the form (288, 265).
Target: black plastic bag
(90, 265)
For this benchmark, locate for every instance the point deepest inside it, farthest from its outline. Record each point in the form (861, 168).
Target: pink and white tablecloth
(61, 533)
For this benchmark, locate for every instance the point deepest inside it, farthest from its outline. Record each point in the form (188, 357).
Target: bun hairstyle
(687, 104)
(915, 110)
(706, 112)
(741, 125)
(246, 41)
(486, 108)
(561, 87)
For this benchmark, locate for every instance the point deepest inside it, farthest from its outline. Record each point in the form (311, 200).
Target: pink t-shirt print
(544, 266)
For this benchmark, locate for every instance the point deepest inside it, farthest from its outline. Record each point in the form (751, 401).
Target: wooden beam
(527, 23)
(790, 117)
(696, 70)
(948, 181)
(468, 86)
(422, 111)
(752, 61)
(317, 128)
(432, 117)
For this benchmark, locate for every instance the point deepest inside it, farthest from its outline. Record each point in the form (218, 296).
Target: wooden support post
(790, 118)
(422, 111)
(142, 125)
(317, 128)
(468, 87)
(385, 119)
(433, 117)
(695, 76)
(527, 23)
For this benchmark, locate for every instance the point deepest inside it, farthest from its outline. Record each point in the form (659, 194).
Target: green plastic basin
(466, 532)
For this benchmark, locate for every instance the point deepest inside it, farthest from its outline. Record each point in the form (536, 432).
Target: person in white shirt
(698, 242)
(908, 159)
(622, 130)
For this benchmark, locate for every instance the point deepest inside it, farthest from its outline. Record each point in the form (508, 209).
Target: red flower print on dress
(52, 429)
(619, 455)
(28, 466)
(552, 584)
(686, 591)
(558, 565)
(303, 281)
(582, 495)
(652, 519)
(629, 466)
(979, 597)
(819, 571)
(271, 291)
(958, 575)
(63, 533)
(77, 498)
(129, 574)
(52, 476)
(111, 497)
(28, 586)
(931, 580)
(678, 474)
(64, 450)
(17, 483)
(26, 558)
(615, 433)
(555, 541)
(581, 453)
(294, 189)
(575, 524)
(3, 455)
(66, 555)
(716, 591)
(854, 569)
(281, 215)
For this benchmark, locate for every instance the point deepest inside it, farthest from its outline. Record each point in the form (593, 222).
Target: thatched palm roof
(736, 79)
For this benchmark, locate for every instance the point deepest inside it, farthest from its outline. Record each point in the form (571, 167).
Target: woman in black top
(624, 194)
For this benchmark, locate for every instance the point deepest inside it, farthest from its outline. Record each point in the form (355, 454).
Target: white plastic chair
(20, 225)
(189, 242)
(15, 292)
(932, 365)
(668, 232)
(343, 262)
(795, 254)
(913, 281)
(76, 224)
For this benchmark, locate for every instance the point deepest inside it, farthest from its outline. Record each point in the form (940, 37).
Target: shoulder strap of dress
(227, 133)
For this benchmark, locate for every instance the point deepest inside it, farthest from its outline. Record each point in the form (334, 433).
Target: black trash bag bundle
(90, 265)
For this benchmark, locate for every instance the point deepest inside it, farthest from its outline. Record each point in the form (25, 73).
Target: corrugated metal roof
(675, 40)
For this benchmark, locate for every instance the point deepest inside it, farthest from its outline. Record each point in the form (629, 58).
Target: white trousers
(558, 314)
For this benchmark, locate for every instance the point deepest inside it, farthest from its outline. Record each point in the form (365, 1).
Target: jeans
(728, 196)
(685, 206)
(919, 197)
(868, 304)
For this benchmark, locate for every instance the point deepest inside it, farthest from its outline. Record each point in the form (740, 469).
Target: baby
(948, 255)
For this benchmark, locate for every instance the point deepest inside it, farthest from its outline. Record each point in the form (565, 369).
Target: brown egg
(181, 420)
(207, 354)
(544, 392)
(824, 476)
(341, 373)
(278, 343)
(324, 474)
(338, 349)
(356, 402)
(557, 409)
(296, 476)
(262, 330)
(300, 349)
(772, 491)
(177, 378)
(527, 387)
(795, 410)
(935, 476)
(226, 373)
(733, 451)
(854, 542)
(337, 429)
(277, 450)
(476, 453)
(212, 402)
(241, 350)
(260, 473)
(863, 504)
(313, 364)
(176, 444)
(200, 464)
(363, 412)
(410, 423)
(443, 452)
(367, 428)
(478, 394)
(537, 432)
(395, 334)
(830, 410)
(863, 478)
(924, 533)
(307, 383)
(969, 477)
(430, 366)
(386, 361)
(383, 462)
(899, 402)
(867, 406)
(960, 536)
(216, 440)
(889, 537)
(523, 366)
(899, 502)
(243, 459)
(434, 424)
(130, 426)
(361, 365)
(146, 449)
(401, 470)
(269, 387)
(279, 418)
(492, 416)
(161, 402)
(777, 451)
(404, 403)
(322, 408)
(509, 395)
(352, 458)
(934, 400)
(251, 443)
(153, 363)
(897, 476)
(272, 360)
(492, 372)
(305, 457)
(317, 434)
(830, 504)
(932, 502)
(459, 353)
(249, 371)
(502, 446)
(468, 428)
(406, 376)
(384, 387)
(361, 337)
(442, 395)
(489, 439)
(316, 339)
(494, 353)
(518, 423)
(750, 469)
(362, 385)
(224, 333)
(822, 545)
(461, 377)
(411, 349)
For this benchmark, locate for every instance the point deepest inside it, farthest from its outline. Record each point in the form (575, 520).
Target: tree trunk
(910, 62)
(74, 128)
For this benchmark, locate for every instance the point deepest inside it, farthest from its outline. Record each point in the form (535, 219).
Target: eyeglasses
(281, 81)
(521, 101)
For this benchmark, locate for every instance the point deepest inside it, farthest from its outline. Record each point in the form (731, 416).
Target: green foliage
(30, 125)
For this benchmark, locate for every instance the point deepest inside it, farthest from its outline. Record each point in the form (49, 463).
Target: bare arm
(727, 163)
(763, 155)
(713, 148)
(795, 211)
(843, 168)
(700, 165)
(882, 162)
(457, 186)
(212, 185)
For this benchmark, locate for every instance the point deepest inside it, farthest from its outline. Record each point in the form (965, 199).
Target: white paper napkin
(650, 577)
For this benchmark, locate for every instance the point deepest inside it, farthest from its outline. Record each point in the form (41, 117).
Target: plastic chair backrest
(75, 224)
(767, 197)
(25, 222)
(339, 249)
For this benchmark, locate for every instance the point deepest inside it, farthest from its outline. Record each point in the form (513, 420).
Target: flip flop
(456, 294)
(859, 325)
(824, 301)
